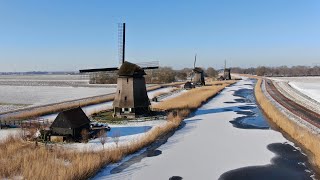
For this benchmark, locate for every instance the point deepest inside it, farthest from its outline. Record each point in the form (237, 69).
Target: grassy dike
(27, 161)
(309, 140)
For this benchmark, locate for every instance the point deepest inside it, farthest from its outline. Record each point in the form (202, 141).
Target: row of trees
(161, 75)
(280, 71)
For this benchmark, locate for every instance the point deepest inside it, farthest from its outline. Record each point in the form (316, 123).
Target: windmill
(226, 72)
(198, 74)
(131, 98)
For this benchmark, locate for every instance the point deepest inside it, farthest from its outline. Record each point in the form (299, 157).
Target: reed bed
(21, 159)
(302, 135)
(193, 98)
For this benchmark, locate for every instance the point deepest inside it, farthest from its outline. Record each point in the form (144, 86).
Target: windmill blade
(195, 60)
(149, 65)
(98, 70)
(121, 42)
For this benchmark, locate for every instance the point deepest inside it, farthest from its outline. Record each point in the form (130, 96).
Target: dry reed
(302, 135)
(193, 98)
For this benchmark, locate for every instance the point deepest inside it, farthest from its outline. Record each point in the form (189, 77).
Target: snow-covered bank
(209, 145)
(309, 86)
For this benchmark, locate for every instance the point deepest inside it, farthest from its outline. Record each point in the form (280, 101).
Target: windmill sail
(121, 42)
(121, 46)
(149, 65)
(195, 61)
(98, 70)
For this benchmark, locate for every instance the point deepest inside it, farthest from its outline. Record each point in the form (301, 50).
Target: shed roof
(72, 118)
(130, 69)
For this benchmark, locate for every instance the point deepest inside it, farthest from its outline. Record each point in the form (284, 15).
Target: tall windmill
(131, 98)
(226, 72)
(198, 74)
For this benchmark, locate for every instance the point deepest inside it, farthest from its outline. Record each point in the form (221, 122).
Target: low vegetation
(193, 98)
(29, 161)
(303, 136)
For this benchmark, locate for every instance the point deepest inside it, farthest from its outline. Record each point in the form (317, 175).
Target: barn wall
(62, 131)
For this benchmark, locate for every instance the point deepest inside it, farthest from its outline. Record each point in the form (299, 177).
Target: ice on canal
(226, 138)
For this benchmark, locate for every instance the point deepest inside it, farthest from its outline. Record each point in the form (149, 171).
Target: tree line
(282, 71)
(156, 76)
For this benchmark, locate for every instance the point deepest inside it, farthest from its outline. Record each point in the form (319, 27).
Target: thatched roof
(130, 69)
(198, 70)
(73, 118)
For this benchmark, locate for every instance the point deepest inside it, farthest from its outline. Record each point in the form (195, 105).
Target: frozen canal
(227, 138)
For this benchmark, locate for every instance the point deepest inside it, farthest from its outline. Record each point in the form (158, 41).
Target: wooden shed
(70, 123)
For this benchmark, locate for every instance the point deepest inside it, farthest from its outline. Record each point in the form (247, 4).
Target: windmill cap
(198, 69)
(130, 69)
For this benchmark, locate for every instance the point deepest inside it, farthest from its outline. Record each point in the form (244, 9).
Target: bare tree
(116, 137)
(102, 137)
(211, 72)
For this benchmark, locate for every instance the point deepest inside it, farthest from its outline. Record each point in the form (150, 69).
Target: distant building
(227, 74)
(198, 78)
(70, 123)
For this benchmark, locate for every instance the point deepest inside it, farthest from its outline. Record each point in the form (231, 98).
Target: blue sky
(59, 35)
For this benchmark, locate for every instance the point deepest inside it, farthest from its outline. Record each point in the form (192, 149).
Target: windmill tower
(131, 98)
(226, 72)
(198, 74)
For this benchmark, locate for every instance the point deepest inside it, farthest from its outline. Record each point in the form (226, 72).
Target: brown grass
(303, 136)
(193, 98)
(21, 158)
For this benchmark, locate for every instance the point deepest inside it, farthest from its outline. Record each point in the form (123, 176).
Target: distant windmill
(226, 72)
(131, 98)
(198, 74)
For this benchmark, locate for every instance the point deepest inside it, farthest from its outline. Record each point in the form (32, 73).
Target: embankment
(309, 140)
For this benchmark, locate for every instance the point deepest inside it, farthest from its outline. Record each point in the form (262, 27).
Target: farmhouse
(70, 123)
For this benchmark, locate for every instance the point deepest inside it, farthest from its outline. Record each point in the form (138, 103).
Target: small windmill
(198, 74)
(226, 72)
(131, 98)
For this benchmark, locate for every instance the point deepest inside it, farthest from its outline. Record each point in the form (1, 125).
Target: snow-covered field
(309, 86)
(18, 91)
(209, 147)
(41, 95)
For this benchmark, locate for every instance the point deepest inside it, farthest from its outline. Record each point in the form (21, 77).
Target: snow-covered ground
(209, 146)
(309, 86)
(41, 95)
(127, 133)
(4, 133)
